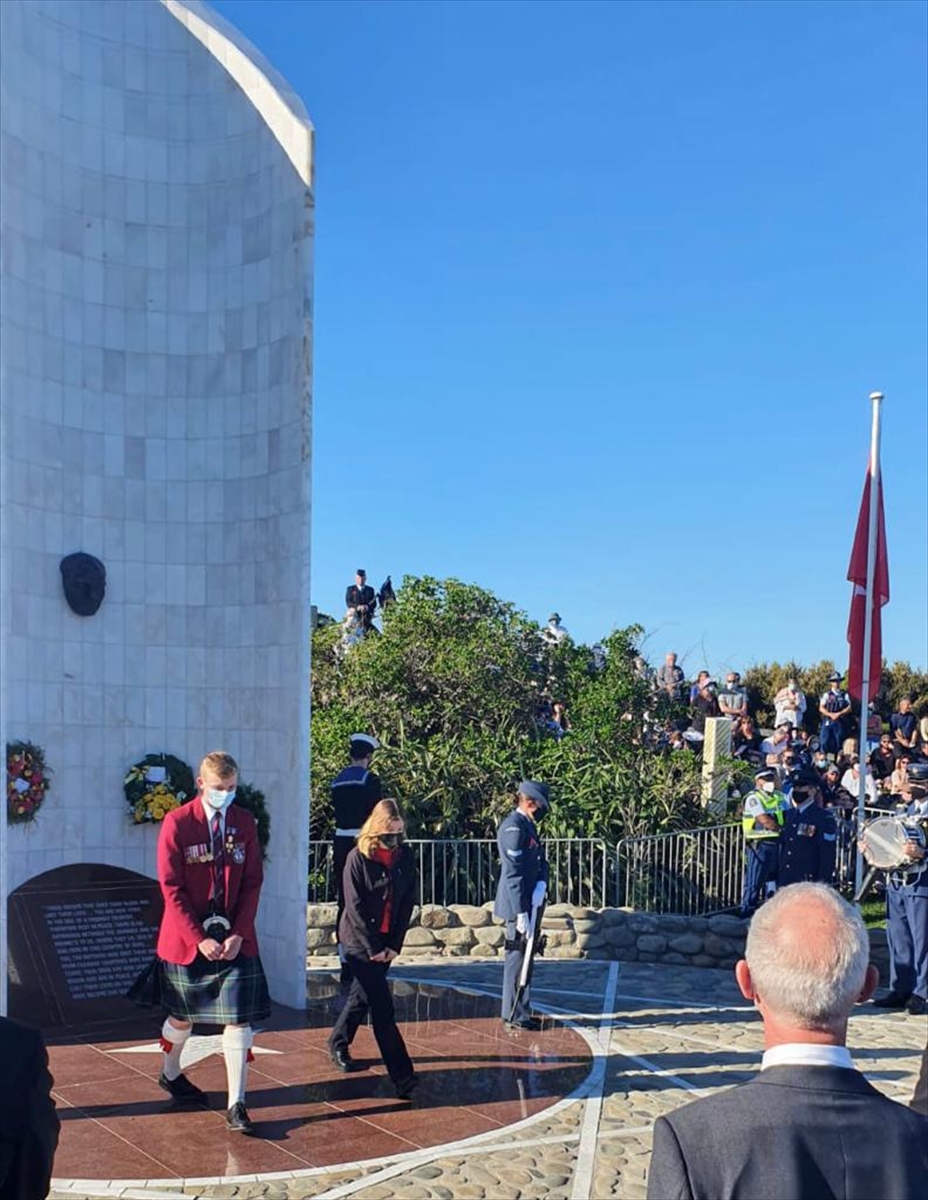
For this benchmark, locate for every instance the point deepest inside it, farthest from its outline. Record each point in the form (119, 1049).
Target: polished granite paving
(475, 1078)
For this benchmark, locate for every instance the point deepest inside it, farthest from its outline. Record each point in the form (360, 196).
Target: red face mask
(385, 855)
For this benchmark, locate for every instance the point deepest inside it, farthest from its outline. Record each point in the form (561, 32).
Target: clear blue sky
(601, 292)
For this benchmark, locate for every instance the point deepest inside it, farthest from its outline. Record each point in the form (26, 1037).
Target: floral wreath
(156, 785)
(27, 781)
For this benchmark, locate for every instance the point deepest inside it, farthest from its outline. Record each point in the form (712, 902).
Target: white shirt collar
(209, 813)
(802, 807)
(806, 1054)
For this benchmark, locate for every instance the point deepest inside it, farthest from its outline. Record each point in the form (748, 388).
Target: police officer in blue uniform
(809, 841)
(833, 707)
(523, 881)
(762, 818)
(907, 921)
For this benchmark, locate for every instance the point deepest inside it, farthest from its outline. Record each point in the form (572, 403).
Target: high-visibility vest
(774, 804)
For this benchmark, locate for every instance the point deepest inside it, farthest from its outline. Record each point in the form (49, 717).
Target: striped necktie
(218, 890)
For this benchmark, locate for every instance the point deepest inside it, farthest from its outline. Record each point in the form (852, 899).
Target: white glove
(522, 923)
(538, 894)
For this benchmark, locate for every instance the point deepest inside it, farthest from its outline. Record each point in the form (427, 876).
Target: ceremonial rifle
(534, 944)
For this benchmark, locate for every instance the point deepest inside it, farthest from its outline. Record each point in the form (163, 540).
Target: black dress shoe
(917, 1006)
(531, 1024)
(891, 1000)
(183, 1091)
(407, 1089)
(237, 1119)
(343, 1060)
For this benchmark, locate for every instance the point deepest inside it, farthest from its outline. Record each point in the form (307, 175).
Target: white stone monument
(157, 205)
(716, 745)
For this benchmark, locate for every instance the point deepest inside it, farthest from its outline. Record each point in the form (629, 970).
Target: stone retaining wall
(462, 931)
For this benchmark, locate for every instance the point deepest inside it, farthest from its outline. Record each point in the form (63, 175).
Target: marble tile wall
(156, 335)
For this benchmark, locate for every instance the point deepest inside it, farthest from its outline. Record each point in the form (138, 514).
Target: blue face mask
(218, 799)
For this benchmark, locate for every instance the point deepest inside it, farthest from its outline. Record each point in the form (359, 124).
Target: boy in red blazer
(209, 868)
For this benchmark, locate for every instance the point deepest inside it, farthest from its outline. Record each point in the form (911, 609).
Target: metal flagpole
(876, 399)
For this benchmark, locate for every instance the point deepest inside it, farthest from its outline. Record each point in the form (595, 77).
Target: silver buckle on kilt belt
(217, 927)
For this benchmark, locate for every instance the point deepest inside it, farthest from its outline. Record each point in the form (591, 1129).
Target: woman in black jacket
(379, 883)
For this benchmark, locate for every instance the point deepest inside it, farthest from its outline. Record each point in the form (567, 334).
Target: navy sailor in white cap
(523, 880)
(355, 791)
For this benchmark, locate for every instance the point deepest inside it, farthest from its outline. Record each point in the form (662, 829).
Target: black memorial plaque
(78, 937)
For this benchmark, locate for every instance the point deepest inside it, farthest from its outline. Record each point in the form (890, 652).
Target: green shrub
(252, 798)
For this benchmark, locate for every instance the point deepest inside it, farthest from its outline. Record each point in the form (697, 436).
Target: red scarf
(386, 858)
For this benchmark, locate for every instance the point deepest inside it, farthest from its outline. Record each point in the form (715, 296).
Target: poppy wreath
(27, 781)
(156, 785)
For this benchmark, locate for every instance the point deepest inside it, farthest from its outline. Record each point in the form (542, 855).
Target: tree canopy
(452, 688)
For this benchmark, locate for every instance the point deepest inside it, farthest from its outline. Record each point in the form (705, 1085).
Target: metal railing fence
(466, 870)
(692, 872)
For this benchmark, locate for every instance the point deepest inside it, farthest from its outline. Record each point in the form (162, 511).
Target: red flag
(857, 574)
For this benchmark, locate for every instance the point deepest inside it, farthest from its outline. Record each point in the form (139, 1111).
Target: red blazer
(185, 881)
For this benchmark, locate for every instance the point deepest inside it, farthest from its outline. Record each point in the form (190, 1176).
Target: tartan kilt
(214, 993)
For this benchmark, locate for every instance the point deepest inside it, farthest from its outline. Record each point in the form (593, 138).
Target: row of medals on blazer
(204, 854)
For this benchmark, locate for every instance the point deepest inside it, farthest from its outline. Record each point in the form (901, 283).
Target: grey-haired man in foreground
(809, 1127)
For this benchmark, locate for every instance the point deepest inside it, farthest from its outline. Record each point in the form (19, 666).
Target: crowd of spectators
(831, 757)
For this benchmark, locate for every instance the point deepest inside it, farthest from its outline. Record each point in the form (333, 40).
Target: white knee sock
(172, 1043)
(236, 1045)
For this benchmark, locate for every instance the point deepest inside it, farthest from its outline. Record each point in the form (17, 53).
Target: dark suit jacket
(367, 885)
(919, 1100)
(28, 1121)
(793, 1133)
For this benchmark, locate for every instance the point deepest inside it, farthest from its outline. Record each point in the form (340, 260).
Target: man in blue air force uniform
(523, 882)
(809, 841)
(907, 920)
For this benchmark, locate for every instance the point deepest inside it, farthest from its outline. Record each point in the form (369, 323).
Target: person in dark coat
(380, 887)
(809, 1126)
(809, 841)
(523, 880)
(361, 599)
(919, 1099)
(29, 1124)
(354, 790)
(704, 705)
(835, 796)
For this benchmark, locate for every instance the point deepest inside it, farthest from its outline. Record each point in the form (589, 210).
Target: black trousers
(370, 993)
(512, 969)
(341, 848)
